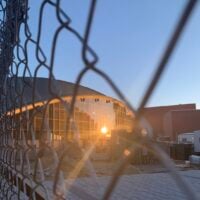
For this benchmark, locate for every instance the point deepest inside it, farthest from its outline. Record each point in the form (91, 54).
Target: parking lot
(153, 186)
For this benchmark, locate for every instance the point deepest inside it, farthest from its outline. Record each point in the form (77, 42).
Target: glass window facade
(93, 116)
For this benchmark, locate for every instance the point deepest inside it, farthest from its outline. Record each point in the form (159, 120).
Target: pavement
(153, 186)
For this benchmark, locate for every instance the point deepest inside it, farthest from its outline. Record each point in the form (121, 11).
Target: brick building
(181, 121)
(163, 116)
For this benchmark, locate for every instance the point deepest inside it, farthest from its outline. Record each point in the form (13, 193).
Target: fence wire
(32, 171)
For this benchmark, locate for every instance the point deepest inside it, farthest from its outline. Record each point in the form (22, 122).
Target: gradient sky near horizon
(129, 38)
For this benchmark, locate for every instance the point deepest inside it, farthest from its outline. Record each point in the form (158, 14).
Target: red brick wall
(155, 115)
(184, 121)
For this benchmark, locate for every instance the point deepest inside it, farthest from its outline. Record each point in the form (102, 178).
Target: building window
(82, 99)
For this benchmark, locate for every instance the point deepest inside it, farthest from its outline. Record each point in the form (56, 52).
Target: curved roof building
(94, 112)
(38, 89)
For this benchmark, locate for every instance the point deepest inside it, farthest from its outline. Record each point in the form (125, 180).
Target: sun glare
(104, 130)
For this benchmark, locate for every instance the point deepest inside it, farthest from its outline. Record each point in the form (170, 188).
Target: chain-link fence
(32, 163)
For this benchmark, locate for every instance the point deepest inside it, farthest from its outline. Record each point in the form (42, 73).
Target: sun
(104, 130)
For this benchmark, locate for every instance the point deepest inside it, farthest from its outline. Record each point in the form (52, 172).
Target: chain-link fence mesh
(32, 164)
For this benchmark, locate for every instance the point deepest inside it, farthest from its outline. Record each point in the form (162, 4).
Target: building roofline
(168, 106)
(43, 96)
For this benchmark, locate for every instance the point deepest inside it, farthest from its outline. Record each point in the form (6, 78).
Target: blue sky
(129, 37)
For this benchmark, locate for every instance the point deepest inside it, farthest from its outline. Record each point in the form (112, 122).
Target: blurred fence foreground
(35, 161)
